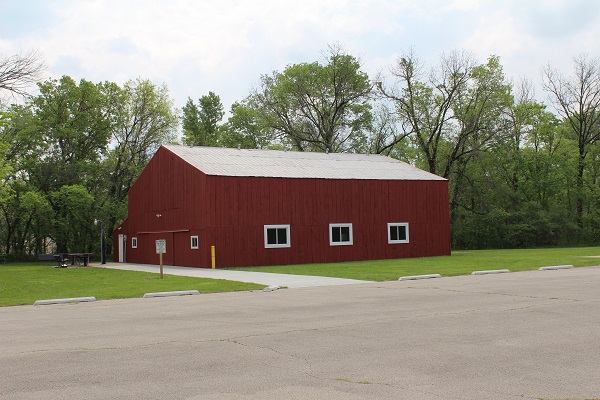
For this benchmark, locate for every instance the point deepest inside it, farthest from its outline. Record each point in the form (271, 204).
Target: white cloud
(224, 46)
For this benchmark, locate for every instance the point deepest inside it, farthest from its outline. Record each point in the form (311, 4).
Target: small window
(277, 236)
(340, 234)
(134, 243)
(398, 232)
(194, 242)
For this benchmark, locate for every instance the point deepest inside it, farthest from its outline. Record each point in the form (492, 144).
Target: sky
(224, 46)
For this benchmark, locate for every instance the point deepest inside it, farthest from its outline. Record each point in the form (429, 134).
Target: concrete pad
(64, 301)
(265, 278)
(491, 271)
(173, 293)
(555, 267)
(417, 277)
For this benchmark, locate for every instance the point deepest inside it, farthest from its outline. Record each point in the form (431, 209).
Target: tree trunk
(579, 204)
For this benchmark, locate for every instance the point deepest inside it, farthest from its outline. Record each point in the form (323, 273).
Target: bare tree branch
(19, 72)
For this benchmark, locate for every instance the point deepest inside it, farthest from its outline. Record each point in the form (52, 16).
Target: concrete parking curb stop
(271, 288)
(555, 267)
(491, 271)
(169, 294)
(416, 277)
(64, 301)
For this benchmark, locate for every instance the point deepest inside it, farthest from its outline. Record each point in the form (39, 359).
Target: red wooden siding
(310, 205)
(230, 213)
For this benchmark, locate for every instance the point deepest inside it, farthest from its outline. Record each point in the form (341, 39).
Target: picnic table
(62, 259)
(78, 258)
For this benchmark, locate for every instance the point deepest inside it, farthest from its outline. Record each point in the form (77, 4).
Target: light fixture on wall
(158, 215)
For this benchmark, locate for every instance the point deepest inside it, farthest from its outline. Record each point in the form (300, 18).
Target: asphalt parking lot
(525, 335)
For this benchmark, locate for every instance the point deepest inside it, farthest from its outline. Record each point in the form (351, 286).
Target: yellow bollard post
(213, 257)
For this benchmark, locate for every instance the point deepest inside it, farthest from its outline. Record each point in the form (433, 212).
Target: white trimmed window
(340, 234)
(194, 242)
(277, 236)
(397, 232)
(134, 243)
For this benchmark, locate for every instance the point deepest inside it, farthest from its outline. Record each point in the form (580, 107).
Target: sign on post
(161, 248)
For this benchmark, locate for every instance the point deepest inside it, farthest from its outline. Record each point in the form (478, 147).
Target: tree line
(521, 173)
(69, 157)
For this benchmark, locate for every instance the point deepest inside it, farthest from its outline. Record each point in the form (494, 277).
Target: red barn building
(265, 207)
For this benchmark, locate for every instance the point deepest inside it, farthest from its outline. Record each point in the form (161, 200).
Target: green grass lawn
(459, 263)
(24, 283)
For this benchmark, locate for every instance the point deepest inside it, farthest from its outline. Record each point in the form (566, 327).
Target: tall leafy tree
(314, 106)
(385, 134)
(532, 149)
(245, 128)
(425, 101)
(32, 221)
(577, 100)
(451, 113)
(72, 129)
(144, 118)
(482, 124)
(518, 189)
(55, 141)
(201, 123)
(73, 152)
(73, 212)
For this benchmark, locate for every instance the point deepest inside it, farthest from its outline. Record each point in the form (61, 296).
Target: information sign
(161, 246)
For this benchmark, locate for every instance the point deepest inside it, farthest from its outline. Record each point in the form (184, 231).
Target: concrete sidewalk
(268, 279)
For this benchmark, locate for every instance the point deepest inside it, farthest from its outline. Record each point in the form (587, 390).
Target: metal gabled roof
(220, 161)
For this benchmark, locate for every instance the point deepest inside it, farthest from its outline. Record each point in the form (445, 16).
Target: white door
(122, 244)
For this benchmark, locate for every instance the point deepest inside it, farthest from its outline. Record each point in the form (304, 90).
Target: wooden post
(161, 266)
(161, 247)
